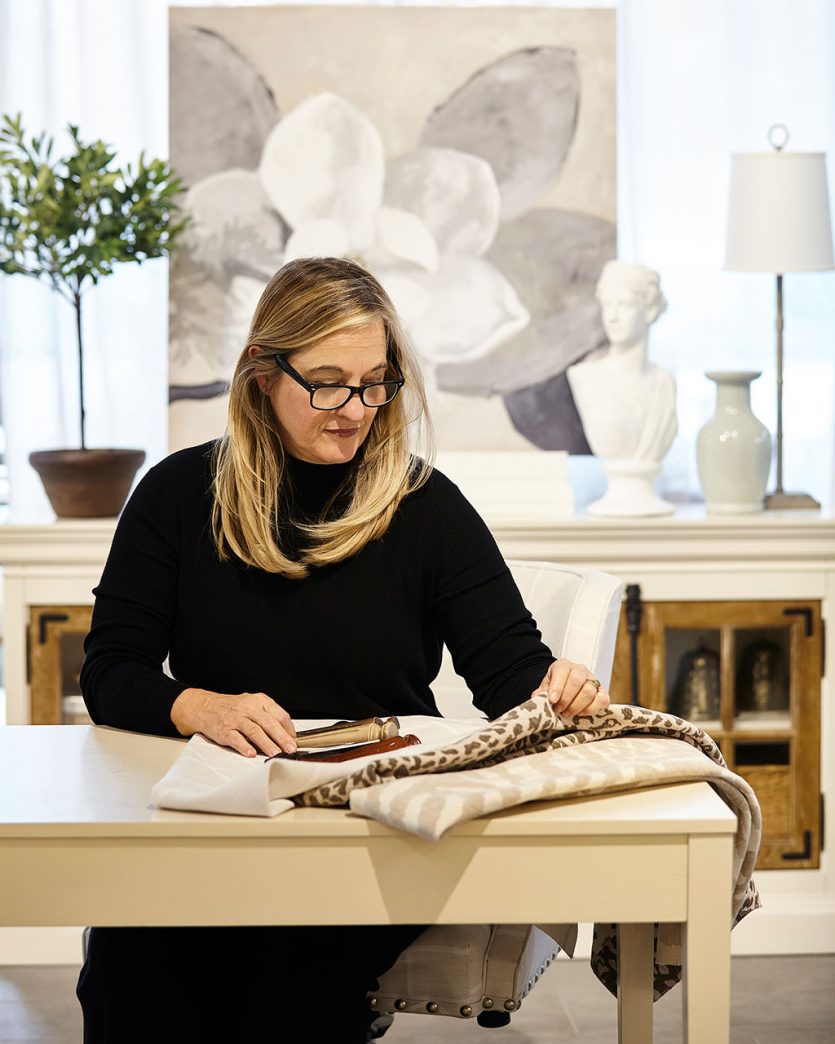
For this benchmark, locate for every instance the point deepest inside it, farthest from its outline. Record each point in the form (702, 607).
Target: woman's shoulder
(441, 517)
(432, 482)
(191, 461)
(186, 471)
(437, 495)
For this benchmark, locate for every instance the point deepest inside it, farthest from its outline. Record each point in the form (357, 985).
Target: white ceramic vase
(733, 450)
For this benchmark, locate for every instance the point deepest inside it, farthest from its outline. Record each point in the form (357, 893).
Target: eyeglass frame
(280, 359)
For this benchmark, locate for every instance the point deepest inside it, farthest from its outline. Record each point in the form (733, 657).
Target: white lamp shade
(778, 213)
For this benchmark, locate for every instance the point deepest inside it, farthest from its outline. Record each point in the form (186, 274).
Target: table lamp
(778, 221)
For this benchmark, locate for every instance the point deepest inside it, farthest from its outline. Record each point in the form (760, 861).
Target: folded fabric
(470, 768)
(210, 778)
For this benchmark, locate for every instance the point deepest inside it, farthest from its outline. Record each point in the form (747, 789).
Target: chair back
(577, 612)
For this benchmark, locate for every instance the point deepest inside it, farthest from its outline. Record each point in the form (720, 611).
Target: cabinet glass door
(749, 673)
(56, 652)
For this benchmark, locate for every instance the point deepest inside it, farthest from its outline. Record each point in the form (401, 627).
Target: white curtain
(697, 79)
(103, 66)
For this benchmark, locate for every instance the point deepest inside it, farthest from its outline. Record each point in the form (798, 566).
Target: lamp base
(790, 501)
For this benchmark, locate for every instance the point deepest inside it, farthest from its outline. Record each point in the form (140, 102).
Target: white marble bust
(627, 404)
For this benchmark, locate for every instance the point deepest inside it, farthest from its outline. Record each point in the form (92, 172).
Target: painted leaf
(455, 194)
(546, 415)
(234, 227)
(553, 258)
(221, 108)
(325, 160)
(402, 236)
(519, 114)
(208, 323)
(461, 312)
(321, 237)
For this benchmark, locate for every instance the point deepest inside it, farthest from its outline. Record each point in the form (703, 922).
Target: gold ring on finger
(595, 683)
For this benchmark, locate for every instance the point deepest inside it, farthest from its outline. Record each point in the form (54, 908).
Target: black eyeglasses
(334, 396)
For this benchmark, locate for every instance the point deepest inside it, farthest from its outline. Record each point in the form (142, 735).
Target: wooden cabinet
(749, 673)
(55, 648)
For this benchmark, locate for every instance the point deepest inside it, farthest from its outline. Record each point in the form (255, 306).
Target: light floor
(776, 1000)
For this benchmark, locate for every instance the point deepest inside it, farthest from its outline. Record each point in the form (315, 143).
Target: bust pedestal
(630, 492)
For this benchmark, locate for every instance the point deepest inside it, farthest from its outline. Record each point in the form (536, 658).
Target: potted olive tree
(69, 221)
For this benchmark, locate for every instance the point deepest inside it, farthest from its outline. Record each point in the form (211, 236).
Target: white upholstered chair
(484, 971)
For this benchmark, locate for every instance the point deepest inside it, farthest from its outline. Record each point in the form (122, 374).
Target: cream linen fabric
(210, 778)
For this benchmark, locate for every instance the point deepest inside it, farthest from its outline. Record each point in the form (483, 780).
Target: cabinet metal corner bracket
(806, 613)
(807, 848)
(44, 620)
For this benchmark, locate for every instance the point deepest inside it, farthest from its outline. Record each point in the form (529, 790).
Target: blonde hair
(306, 300)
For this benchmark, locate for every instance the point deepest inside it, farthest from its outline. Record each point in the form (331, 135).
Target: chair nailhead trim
(466, 1010)
(432, 1007)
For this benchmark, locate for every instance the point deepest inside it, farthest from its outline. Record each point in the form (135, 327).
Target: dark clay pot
(89, 483)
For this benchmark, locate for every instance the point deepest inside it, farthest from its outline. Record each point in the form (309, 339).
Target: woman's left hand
(572, 689)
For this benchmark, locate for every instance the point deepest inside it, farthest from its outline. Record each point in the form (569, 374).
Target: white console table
(688, 556)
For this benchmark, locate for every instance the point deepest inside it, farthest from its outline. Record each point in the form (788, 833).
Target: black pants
(271, 984)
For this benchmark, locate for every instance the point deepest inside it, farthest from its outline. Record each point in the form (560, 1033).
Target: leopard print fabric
(428, 792)
(531, 728)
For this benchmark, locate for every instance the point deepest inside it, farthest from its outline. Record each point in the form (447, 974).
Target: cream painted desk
(80, 844)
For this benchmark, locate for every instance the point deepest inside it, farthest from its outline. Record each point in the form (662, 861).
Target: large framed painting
(466, 155)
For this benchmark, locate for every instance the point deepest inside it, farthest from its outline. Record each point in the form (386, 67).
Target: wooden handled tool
(368, 730)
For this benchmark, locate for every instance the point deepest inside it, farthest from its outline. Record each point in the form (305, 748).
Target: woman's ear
(253, 351)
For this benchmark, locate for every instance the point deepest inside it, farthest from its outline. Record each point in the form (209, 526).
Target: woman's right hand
(248, 722)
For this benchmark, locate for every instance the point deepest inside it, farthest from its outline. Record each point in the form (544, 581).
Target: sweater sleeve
(492, 637)
(122, 678)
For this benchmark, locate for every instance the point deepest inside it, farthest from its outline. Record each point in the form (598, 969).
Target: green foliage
(73, 219)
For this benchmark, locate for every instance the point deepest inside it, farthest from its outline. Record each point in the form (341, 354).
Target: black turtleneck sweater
(359, 638)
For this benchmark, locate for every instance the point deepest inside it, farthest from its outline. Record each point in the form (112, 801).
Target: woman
(306, 565)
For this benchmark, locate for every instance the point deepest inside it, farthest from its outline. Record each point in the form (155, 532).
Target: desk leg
(707, 941)
(635, 983)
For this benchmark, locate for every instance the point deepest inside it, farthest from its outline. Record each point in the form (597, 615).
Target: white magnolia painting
(465, 155)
